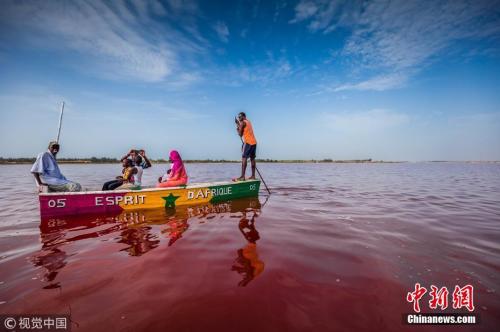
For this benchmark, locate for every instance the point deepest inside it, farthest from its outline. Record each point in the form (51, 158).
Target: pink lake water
(336, 247)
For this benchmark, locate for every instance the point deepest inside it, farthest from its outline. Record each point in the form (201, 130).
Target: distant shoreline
(93, 160)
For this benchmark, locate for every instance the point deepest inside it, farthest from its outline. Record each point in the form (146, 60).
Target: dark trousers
(112, 185)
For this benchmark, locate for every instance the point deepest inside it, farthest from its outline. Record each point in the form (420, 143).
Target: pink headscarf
(177, 164)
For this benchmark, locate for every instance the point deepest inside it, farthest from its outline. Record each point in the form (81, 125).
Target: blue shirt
(46, 166)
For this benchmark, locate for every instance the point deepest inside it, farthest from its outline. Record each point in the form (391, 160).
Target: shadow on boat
(138, 231)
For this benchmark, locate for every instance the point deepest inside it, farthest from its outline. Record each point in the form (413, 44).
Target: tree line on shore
(107, 160)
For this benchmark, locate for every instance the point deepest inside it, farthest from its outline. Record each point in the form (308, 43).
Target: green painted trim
(238, 190)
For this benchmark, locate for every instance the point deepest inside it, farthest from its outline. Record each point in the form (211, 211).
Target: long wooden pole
(264, 182)
(60, 122)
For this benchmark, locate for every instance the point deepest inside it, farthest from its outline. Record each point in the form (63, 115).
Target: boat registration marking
(57, 203)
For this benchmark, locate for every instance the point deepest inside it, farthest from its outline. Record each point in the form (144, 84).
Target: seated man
(47, 173)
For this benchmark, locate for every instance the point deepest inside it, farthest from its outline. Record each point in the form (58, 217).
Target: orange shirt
(248, 136)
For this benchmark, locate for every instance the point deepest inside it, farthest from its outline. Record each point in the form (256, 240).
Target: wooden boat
(86, 202)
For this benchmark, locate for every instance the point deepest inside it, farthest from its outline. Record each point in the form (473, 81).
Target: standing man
(47, 173)
(245, 130)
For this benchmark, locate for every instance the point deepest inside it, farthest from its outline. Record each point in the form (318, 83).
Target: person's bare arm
(148, 162)
(143, 155)
(165, 177)
(38, 179)
(127, 155)
(240, 128)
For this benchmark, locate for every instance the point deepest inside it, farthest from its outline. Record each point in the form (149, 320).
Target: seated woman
(125, 180)
(176, 175)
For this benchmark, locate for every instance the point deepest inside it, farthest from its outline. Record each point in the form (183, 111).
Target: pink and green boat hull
(60, 204)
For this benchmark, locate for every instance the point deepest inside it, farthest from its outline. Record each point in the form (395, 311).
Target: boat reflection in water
(143, 230)
(248, 263)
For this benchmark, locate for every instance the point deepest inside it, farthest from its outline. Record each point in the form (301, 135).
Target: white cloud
(325, 15)
(117, 40)
(182, 80)
(391, 37)
(364, 121)
(151, 107)
(484, 118)
(378, 83)
(277, 10)
(405, 35)
(34, 99)
(263, 73)
(304, 10)
(222, 31)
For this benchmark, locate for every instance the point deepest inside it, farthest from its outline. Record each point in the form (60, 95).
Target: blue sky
(391, 80)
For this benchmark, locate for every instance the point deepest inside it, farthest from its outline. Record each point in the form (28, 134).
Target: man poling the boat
(249, 148)
(46, 171)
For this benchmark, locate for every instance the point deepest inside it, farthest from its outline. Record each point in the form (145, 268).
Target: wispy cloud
(35, 100)
(44, 103)
(364, 121)
(378, 83)
(279, 6)
(117, 40)
(326, 16)
(154, 108)
(396, 38)
(262, 73)
(183, 80)
(222, 31)
(305, 10)
(483, 118)
(406, 35)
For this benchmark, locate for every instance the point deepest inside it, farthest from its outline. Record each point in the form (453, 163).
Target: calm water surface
(336, 247)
